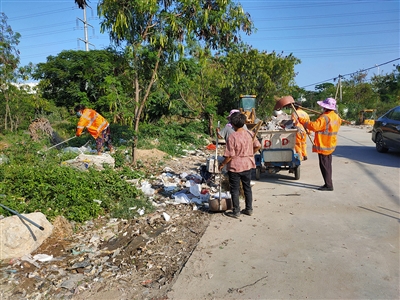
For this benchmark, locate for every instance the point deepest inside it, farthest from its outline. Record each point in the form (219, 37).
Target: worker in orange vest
(301, 135)
(96, 125)
(326, 128)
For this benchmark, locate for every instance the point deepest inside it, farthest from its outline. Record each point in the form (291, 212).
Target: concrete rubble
(19, 237)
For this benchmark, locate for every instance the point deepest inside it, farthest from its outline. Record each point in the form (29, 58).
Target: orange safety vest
(302, 115)
(93, 121)
(326, 128)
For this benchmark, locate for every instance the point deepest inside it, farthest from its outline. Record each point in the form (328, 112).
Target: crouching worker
(239, 159)
(96, 125)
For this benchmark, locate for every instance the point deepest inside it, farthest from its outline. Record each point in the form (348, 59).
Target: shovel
(58, 144)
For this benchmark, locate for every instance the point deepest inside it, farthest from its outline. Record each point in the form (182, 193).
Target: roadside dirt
(115, 259)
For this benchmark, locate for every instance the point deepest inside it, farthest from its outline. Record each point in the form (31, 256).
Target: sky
(331, 38)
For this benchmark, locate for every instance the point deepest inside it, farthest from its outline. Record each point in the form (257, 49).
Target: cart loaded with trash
(277, 152)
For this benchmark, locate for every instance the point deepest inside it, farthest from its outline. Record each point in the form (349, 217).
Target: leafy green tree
(9, 61)
(267, 75)
(162, 28)
(194, 91)
(388, 88)
(88, 77)
(358, 94)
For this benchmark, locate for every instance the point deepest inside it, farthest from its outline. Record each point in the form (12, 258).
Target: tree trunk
(8, 119)
(134, 150)
(141, 103)
(5, 119)
(210, 124)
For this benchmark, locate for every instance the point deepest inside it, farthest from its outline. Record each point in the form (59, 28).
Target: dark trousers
(104, 139)
(234, 184)
(325, 164)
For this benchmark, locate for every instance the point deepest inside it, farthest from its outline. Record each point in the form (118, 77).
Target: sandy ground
(306, 244)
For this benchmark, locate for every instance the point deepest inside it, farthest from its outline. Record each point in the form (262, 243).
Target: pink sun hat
(328, 103)
(232, 112)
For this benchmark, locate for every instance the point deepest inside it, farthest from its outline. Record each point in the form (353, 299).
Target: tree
(162, 28)
(88, 77)
(357, 95)
(9, 61)
(267, 75)
(193, 85)
(388, 88)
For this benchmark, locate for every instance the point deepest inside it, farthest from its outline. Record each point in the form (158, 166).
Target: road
(302, 243)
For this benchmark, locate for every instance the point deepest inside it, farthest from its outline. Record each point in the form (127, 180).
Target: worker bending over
(96, 125)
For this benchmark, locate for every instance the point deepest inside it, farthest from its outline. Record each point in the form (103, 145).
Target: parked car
(386, 131)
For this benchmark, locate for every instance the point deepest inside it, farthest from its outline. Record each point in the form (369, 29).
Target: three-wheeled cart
(277, 152)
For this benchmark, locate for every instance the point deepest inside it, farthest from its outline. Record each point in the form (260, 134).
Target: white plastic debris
(43, 257)
(146, 188)
(170, 187)
(166, 216)
(84, 161)
(226, 195)
(79, 150)
(30, 259)
(140, 211)
(195, 188)
(181, 198)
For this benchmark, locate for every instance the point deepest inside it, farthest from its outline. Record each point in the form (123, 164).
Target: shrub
(44, 185)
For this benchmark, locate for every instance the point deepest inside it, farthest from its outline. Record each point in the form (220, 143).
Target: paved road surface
(306, 244)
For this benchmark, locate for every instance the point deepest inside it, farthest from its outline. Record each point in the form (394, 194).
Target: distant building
(29, 87)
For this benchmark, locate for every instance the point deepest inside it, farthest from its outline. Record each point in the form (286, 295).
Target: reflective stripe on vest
(91, 117)
(325, 141)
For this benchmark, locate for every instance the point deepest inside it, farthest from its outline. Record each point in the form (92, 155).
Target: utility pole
(339, 88)
(85, 29)
(378, 70)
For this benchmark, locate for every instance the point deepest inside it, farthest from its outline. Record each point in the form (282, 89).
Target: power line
(330, 26)
(341, 76)
(313, 17)
(318, 36)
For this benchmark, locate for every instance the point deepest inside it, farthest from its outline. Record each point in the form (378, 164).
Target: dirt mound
(62, 228)
(144, 154)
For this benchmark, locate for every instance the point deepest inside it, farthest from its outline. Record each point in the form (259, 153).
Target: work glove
(302, 120)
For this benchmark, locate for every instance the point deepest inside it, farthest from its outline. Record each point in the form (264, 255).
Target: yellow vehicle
(367, 117)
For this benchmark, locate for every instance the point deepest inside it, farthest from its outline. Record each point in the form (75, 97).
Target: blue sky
(330, 38)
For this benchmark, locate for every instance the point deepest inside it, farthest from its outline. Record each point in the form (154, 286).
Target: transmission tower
(85, 29)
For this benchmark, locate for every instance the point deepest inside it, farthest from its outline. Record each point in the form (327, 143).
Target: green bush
(172, 137)
(34, 179)
(43, 184)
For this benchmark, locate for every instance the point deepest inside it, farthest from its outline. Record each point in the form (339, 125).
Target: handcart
(277, 152)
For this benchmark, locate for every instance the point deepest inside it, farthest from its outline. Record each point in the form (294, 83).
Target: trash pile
(138, 258)
(281, 121)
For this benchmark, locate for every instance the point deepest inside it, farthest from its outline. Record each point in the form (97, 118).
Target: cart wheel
(258, 173)
(297, 173)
